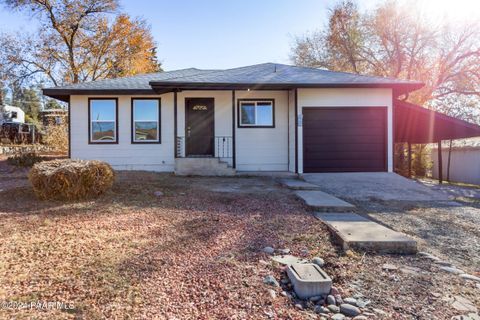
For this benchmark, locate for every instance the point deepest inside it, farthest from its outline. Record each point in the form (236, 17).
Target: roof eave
(63, 94)
(164, 85)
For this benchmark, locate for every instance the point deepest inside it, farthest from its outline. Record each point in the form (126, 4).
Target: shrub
(56, 137)
(27, 159)
(71, 179)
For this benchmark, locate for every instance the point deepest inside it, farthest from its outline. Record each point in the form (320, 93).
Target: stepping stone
(321, 200)
(288, 259)
(296, 184)
(357, 232)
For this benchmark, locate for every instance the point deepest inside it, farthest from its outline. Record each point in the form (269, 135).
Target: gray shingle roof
(274, 73)
(137, 82)
(266, 75)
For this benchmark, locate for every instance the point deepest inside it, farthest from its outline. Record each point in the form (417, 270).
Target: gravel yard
(195, 252)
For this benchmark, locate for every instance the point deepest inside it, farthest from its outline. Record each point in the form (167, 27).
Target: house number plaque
(199, 108)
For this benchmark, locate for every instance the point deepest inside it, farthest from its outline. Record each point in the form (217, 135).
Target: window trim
(251, 126)
(90, 141)
(132, 122)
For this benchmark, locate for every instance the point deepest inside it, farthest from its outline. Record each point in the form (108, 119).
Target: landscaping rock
(288, 259)
(334, 291)
(462, 304)
(362, 303)
(338, 299)
(451, 270)
(467, 276)
(272, 293)
(338, 316)
(351, 301)
(470, 316)
(318, 261)
(284, 251)
(331, 300)
(299, 306)
(270, 280)
(443, 263)
(268, 250)
(433, 258)
(321, 309)
(389, 267)
(360, 318)
(158, 193)
(349, 310)
(333, 308)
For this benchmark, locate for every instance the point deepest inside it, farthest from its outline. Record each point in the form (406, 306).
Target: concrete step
(321, 200)
(202, 167)
(356, 232)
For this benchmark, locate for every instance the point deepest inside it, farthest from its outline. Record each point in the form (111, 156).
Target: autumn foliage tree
(77, 41)
(395, 41)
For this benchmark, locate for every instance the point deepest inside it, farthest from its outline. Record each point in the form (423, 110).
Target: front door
(199, 126)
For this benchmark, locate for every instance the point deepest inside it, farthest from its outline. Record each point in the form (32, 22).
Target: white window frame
(158, 120)
(255, 102)
(115, 123)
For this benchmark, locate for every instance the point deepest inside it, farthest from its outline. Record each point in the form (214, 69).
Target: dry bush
(27, 159)
(56, 137)
(71, 179)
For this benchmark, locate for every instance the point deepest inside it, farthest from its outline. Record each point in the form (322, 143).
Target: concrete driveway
(376, 185)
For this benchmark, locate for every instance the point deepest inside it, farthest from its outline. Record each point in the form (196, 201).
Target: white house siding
(345, 98)
(264, 149)
(291, 129)
(124, 155)
(464, 164)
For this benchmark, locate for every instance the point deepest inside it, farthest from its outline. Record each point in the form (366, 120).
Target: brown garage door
(347, 139)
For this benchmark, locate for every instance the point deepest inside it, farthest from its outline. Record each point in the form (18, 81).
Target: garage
(344, 139)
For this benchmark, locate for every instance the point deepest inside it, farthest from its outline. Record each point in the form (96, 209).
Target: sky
(215, 34)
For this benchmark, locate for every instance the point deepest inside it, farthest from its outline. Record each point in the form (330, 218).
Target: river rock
(333, 308)
(349, 310)
(351, 301)
(318, 261)
(270, 280)
(268, 250)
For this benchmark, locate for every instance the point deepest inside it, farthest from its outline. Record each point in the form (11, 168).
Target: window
(145, 120)
(14, 114)
(256, 113)
(103, 120)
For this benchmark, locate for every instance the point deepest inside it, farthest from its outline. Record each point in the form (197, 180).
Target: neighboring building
(53, 116)
(464, 162)
(267, 117)
(11, 114)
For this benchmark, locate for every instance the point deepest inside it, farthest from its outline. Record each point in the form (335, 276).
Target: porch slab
(356, 232)
(321, 200)
(296, 184)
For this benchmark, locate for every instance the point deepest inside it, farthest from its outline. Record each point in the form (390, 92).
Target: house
(11, 114)
(266, 117)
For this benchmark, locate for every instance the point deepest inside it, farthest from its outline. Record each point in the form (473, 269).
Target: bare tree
(77, 41)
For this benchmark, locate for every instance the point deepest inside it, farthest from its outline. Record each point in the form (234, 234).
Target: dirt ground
(196, 253)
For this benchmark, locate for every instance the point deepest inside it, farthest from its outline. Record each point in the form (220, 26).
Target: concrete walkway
(321, 200)
(296, 184)
(357, 232)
